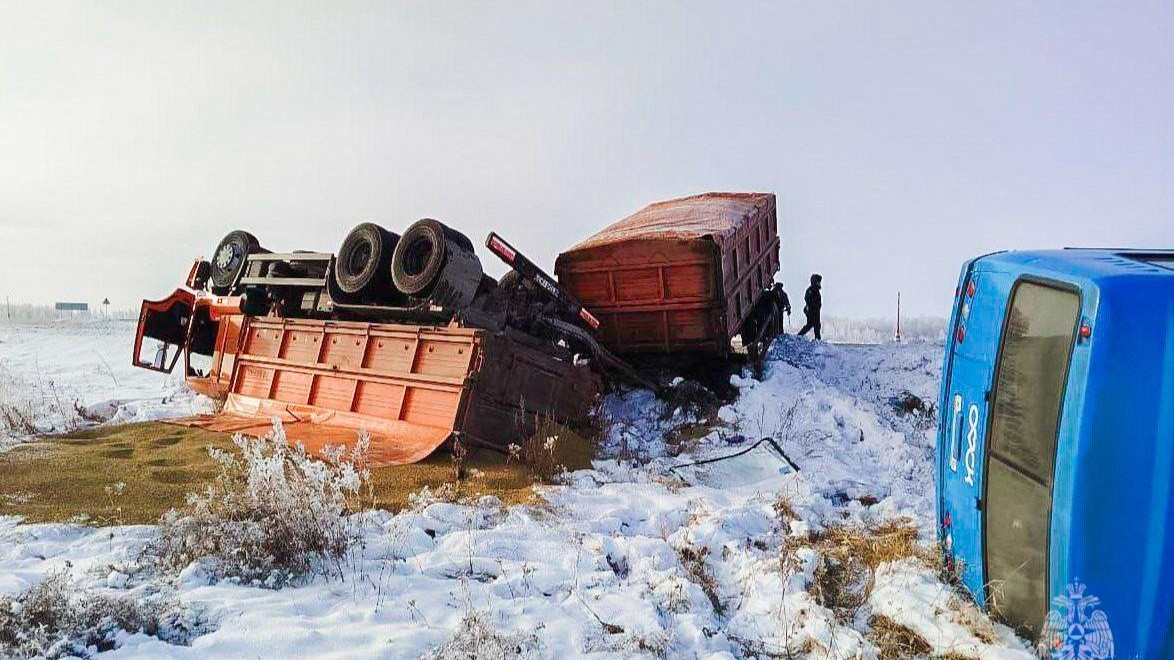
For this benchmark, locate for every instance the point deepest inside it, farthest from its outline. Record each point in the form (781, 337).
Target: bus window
(1025, 415)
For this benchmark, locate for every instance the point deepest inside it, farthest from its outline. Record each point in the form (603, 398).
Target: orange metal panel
(332, 392)
(410, 387)
(291, 387)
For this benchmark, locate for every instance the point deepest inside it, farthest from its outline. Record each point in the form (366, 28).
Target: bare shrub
(476, 638)
(538, 453)
(57, 618)
(16, 420)
(273, 515)
(876, 545)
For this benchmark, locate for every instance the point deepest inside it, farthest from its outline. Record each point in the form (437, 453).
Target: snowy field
(641, 556)
(58, 376)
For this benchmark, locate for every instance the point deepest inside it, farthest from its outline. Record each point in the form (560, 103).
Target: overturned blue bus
(1056, 447)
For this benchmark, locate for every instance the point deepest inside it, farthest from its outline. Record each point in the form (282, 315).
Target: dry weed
(894, 641)
(59, 618)
(274, 514)
(848, 556)
(693, 559)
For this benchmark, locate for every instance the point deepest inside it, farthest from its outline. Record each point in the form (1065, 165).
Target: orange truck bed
(410, 387)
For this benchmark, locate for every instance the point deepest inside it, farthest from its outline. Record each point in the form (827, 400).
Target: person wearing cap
(812, 302)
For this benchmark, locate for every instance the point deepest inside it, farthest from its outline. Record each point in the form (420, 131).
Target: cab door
(963, 415)
(163, 331)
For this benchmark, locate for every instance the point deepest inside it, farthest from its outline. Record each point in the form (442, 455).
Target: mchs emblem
(1075, 629)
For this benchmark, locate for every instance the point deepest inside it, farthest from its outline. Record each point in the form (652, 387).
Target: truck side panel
(658, 294)
(410, 387)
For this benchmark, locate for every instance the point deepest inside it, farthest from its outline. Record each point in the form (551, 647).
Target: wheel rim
(358, 259)
(417, 255)
(228, 257)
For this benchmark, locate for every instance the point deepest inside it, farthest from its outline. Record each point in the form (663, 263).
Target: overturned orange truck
(403, 337)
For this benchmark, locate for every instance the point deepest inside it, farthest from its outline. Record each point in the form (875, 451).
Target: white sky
(900, 137)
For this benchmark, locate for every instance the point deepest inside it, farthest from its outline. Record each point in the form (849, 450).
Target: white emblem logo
(971, 441)
(1075, 630)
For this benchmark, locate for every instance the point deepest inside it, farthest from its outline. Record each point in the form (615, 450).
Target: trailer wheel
(436, 262)
(228, 261)
(362, 260)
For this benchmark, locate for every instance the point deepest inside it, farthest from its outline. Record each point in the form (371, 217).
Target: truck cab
(1055, 447)
(201, 328)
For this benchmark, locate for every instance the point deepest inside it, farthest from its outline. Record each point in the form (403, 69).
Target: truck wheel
(363, 259)
(228, 261)
(255, 302)
(436, 262)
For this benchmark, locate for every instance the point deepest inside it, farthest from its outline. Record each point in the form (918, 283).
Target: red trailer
(687, 275)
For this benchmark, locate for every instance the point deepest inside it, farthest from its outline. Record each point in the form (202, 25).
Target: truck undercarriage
(402, 337)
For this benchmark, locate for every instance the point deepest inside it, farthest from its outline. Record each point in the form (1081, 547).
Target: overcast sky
(900, 137)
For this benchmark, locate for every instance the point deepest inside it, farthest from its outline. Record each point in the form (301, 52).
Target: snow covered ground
(641, 556)
(58, 376)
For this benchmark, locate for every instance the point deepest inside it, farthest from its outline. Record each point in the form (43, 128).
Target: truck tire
(360, 268)
(436, 262)
(228, 261)
(255, 302)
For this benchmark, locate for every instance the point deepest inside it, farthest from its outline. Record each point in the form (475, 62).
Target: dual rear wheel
(375, 266)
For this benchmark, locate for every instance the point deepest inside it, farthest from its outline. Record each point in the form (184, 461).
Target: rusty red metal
(681, 275)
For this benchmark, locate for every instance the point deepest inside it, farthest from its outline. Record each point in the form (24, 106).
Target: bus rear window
(1025, 416)
(1033, 367)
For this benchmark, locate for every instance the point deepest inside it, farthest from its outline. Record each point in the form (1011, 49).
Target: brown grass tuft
(785, 510)
(693, 559)
(848, 556)
(554, 448)
(894, 641)
(889, 541)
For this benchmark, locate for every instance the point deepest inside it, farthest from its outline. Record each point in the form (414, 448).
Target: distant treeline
(839, 329)
(34, 312)
(875, 331)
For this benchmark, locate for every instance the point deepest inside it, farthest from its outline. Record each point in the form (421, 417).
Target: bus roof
(1091, 263)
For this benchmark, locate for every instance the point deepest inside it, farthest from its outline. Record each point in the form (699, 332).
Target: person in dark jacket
(783, 299)
(812, 302)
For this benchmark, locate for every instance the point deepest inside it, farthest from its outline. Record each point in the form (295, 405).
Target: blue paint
(1111, 526)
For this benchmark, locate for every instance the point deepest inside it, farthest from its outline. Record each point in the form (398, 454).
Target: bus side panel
(943, 393)
(1121, 529)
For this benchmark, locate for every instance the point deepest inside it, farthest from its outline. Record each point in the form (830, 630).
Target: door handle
(955, 429)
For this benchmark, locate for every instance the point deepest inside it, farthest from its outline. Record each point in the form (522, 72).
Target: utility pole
(898, 316)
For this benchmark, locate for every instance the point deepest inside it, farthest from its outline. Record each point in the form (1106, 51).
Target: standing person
(812, 302)
(783, 299)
